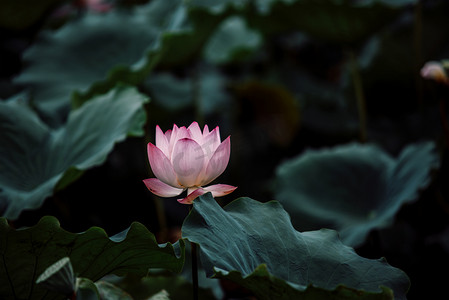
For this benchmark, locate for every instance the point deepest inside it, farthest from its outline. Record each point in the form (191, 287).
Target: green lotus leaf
(237, 240)
(27, 253)
(35, 159)
(231, 41)
(92, 54)
(352, 188)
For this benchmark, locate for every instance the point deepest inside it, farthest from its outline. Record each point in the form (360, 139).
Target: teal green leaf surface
(93, 53)
(232, 40)
(87, 290)
(247, 234)
(26, 253)
(34, 159)
(352, 188)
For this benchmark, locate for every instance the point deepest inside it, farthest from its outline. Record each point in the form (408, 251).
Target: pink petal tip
(192, 196)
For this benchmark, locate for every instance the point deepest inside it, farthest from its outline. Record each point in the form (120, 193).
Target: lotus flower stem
(194, 270)
(359, 94)
(160, 213)
(194, 251)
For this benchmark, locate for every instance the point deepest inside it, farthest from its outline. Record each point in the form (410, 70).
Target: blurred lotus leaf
(232, 40)
(352, 188)
(35, 159)
(91, 54)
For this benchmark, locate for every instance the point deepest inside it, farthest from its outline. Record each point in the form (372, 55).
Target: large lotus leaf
(352, 188)
(26, 253)
(342, 21)
(34, 159)
(91, 54)
(247, 234)
(231, 41)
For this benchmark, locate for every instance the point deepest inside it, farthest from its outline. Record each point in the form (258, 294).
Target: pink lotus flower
(188, 159)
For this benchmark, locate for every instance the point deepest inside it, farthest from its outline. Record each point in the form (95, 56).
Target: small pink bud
(188, 159)
(94, 5)
(435, 71)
